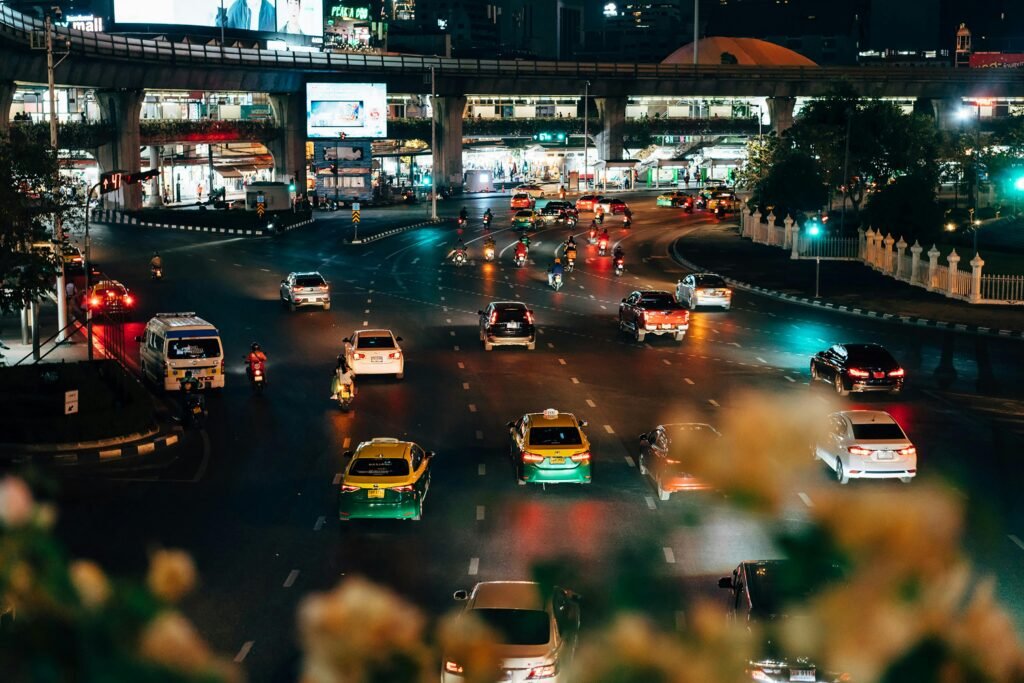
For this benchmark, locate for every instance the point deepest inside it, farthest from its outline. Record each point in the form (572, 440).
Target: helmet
(255, 347)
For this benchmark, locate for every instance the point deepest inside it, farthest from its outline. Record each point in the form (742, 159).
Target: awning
(617, 163)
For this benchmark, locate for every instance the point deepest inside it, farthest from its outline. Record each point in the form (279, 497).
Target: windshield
(883, 431)
(517, 626)
(184, 349)
(376, 342)
(309, 281)
(379, 467)
(524, 214)
(869, 355)
(711, 281)
(521, 196)
(511, 315)
(555, 436)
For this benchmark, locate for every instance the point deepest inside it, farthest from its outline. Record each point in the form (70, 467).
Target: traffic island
(73, 413)
(233, 222)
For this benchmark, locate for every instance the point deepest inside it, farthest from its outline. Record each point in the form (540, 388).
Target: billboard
(296, 17)
(358, 110)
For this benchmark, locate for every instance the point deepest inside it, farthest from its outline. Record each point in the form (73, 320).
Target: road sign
(260, 209)
(355, 216)
(355, 206)
(71, 402)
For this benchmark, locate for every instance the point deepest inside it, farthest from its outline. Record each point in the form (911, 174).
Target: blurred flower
(172, 574)
(171, 641)
(46, 516)
(987, 636)
(90, 583)
(361, 632)
(468, 642)
(16, 502)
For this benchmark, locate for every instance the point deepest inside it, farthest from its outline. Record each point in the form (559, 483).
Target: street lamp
(963, 115)
(586, 132)
(814, 232)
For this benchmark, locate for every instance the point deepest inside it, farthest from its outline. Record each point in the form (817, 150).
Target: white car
(305, 289)
(375, 352)
(537, 632)
(704, 289)
(867, 444)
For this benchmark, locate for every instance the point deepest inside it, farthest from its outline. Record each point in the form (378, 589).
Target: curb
(848, 310)
(396, 231)
(83, 454)
(120, 218)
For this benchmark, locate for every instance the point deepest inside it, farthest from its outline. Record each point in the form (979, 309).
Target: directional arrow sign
(355, 216)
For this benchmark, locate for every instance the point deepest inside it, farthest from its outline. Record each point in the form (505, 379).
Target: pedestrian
(70, 290)
(199, 191)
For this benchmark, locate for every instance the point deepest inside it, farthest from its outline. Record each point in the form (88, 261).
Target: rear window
(524, 214)
(184, 349)
(881, 431)
(309, 281)
(555, 436)
(375, 342)
(380, 467)
(658, 301)
(511, 315)
(711, 281)
(517, 626)
(521, 196)
(869, 354)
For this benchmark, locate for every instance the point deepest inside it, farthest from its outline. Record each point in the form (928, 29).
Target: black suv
(507, 323)
(858, 368)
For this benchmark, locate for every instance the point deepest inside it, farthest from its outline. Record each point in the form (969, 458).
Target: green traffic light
(1019, 183)
(813, 229)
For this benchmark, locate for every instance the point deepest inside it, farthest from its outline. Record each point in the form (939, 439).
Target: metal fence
(837, 248)
(1002, 289)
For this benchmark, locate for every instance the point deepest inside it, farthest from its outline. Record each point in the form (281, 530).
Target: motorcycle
(459, 258)
(720, 212)
(157, 273)
(489, 253)
(462, 222)
(627, 223)
(345, 396)
(602, 248)
(688, 207)
(570, 264)
(487, 221)
(257, 373)
(520, 260)
(195, 410)
(592, 238)
(556, 281)
(571, 221)
(619, 266)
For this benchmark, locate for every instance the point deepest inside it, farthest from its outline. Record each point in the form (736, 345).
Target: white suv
(305, 289)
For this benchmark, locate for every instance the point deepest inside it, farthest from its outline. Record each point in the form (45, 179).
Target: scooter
(157, 273)
(570, 264)
(345, 396)
(462, 222)
(592, 238)
(459, 258)
(487, 222)
(627, 223)
(195, 410)
(520, 260)
(257, 372)
(489, 253)
(619, 267)
(602, 248)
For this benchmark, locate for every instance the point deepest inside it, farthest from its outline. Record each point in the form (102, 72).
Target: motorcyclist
(343, 376)
(561, 192)
(521, 250)
(525, 239)
(599, 215)
(463, 215)
(488, 242)
(189, 384)
(618, 254)
(488, 216)
(255, 357)
(570, 242)
(604, 237)
(156, 262)
(190, 387)
(556, 269)
(460, 248)
(570, 253)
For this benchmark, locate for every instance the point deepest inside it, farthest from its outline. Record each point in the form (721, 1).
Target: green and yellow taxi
(550, 448)
(527, 219)
(673, 199)
(385, 479)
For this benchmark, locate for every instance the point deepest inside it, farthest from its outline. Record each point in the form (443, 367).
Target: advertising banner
(358, 110)
(296, 17)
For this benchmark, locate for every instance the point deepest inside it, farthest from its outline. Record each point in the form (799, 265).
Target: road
(254, 497)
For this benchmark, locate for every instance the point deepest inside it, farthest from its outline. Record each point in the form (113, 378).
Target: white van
(176, 342)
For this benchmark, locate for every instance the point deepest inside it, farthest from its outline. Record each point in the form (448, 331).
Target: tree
(906, 207)
(31, 199)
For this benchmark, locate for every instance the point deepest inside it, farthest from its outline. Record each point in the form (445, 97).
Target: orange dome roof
(747, 51)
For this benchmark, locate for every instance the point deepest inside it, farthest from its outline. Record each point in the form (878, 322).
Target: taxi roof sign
(551, 414)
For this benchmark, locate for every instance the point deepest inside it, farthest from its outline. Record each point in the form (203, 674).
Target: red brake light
(898, 372)
(581, 457)
(494, 318)
(358, 356)
(529, 317)
(532, 457)
(345, 488)
(94, 301)
(907, 451)
(856, 372)
(858, 450)
(128, 300)
(395, 354)
(403, 489)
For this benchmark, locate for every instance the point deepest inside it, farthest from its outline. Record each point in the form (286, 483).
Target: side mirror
(460, 595)
(347, 340)
(480, 312)
(347, 454)
(583, 423)
(725, 582)
(138, 339)
(644, 442)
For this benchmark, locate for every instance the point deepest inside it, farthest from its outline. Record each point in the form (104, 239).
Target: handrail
(19, 27)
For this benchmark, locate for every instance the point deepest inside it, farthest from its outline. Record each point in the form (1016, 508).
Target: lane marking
(608, 428)
(651, 505)
(806, 499)
(472, 407)
(474, 566)
(292, 575)
(479, 435)
(561, 361)
(789, 379)
(415, 260)
(369, 301)
(550, 345)
(762, 360)
(480, 512)
(670, 556)
(591, 403)
(714, 402)
(367, 311)
(448, 320)
(457, 348)
(345, 443)
(688, 381)
(481, 469)
(451, 333)
(462, 366)
(736, 344)
(319, 523)
(366, 323)
(666, 361)
(244, 651)
(630, 461)
(574, 380)
(337, 479)
(465, 385)
(1016, 541)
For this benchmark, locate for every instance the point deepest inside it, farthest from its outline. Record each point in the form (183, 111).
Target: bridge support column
(122, 108)
(289, 147)
(7, 89)
(154, 194)
(448, 155)
(780, 113)
(609, 141)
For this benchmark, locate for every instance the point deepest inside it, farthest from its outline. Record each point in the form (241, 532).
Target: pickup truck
(653, 312)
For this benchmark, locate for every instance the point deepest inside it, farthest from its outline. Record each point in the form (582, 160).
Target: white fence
(890, 257)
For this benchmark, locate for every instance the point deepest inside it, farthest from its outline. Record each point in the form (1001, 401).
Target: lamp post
(814, 232)
(433, 147)
(586, 132)
(696, 32)
(62, 297)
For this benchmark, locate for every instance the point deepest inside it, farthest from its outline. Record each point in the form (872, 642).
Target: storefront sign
(996, 60)
(83, 22)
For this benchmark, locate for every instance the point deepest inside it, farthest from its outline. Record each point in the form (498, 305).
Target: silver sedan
(866, 444)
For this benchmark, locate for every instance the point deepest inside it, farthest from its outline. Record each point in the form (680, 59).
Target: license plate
(376, 359)
(258, 378)
(556, 461)
(666, 326)
(512, 326)
(375, 493)
(884, 455)
(802, 675)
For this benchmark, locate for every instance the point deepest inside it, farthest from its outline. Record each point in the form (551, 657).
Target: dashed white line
(416, 260)
(367, 311)
(448, 320)
(574, 380)
(591, 403)
(630, 461)
(670, 556)
(472, 407)
(688, 380)
(550, 345)
(789, 379)
(762, 360)
(462, 366)
(481, 469)
(1016, 541)
(714, 402)
(319, 523)
(736, 344)
(806, 499)
(608, 428)
(561, 361)
(346, 442)
(666, 361)
(651, 505)
(474, 566)
(465, 385)
(369, 301)
(366, 323)
(292, 575)
(244, 651)
(456, 348)
(480, 512)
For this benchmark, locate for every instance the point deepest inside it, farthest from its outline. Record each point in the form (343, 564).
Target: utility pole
(88, 268)
(586, 134)
(696, 32)
(433, 146)
(62, 298)
(846, 172)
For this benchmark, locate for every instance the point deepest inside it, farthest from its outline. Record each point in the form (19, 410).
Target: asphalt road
(253, 497)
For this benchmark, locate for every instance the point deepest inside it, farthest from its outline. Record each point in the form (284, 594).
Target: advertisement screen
(297, 17)
(359, 110)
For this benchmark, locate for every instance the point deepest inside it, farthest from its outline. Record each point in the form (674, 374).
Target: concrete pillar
(933, 265)
(795, 237)
(861, 245)
(787, 239)
(609, 141)
(954, 265)
(780, 113)
(915, 260)
(869, 246)
(887, 254)
(154, 194)
(122, 108)
(901, 249)
(977, 263)
(7, 89)
(289, 147)
(448, 155)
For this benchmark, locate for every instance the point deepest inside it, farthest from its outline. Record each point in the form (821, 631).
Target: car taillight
(907, 452)
(222, 366)
(494, 318)
(403, 489)
(94, 301)
(539, 672)
(643, 318)
(856, 372)
(358, 356)
(529, 317)
(858, 450)
(898, 372)
(395, 354)
(686, 317)
(581, 457)
(345, 488)
(452, 667)
(128, 300)
(532, 457)
(323, 288)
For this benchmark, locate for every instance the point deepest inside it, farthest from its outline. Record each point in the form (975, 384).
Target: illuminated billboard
(358, 110)
(296, 17)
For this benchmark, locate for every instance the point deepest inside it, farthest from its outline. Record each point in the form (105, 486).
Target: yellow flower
(172, 574)
(171, 641)
(90, 583)
(469, 643)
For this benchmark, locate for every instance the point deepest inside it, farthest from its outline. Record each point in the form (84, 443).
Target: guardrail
(19, 27)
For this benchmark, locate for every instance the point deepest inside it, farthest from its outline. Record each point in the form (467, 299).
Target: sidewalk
(848, 284)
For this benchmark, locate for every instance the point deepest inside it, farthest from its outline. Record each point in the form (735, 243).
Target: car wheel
(814, 373)
(531, 346)
(399, 375)
(638, 335)
(327, 307)
(419, 512)
(841, 475)
(679, 336)
(837, 383)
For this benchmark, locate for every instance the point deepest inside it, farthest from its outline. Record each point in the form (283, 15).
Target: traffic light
(549, 137)
(140, 177)
(813, 227)
(110, 181)
(1018, 184)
